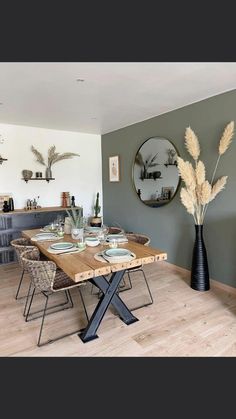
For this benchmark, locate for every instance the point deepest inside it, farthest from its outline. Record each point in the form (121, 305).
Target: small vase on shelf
(48, 173)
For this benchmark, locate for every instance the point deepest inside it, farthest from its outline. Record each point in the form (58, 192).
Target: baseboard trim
(214, 283)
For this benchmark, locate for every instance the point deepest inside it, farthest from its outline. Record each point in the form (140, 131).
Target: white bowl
(92, 241)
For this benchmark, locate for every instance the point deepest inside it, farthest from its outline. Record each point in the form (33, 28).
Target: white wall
(81, 176)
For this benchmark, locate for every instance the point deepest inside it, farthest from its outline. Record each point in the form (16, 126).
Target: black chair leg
(31, 300)
(62, 336)
(82, 299)
(27, 299)
(68, 300)
(148, 288)
(21, 279)
(44, 313)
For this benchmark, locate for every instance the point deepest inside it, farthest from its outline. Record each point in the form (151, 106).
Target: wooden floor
(181, 322)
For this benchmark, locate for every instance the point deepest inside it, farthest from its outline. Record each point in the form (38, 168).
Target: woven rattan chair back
(42, 273)
(20, 246)
(115, 230)
(138, 238)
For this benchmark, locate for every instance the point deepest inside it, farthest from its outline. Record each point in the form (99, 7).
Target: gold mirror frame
(168, 192)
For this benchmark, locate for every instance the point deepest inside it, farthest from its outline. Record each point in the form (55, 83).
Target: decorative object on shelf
(38, 174)
(27, 174)
(48, 173)
(196, 196)
(4, 197)
(65, 199)
(167, 192)
(11, 204)
(5, 207)
(156, 175)
(53, 157)
(171, 157)
(77, 222)
(114, 169)
(146, 164)
(147, 175)
(73, 201)
(96, 221)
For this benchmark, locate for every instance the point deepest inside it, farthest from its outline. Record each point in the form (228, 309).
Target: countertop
(43, 209)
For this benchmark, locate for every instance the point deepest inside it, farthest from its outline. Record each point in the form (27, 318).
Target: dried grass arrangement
(198, 192)
(53, 156)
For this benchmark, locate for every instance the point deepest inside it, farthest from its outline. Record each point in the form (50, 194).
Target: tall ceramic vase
(200, 274)
(48, 173)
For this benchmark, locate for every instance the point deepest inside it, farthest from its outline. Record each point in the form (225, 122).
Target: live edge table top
(82, 266)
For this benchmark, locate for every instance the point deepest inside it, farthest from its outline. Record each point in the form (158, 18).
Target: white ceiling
(113, 95)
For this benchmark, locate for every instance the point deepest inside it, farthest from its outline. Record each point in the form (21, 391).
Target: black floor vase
(200, 274)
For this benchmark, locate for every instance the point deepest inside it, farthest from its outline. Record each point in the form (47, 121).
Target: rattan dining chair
(145, 240)
(48, 279)
(115, 230)
(21, 245)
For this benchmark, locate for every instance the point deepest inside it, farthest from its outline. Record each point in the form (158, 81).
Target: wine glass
(101, 235)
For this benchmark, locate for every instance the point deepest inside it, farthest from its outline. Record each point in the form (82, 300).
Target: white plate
(61, 246)
(46, 236)
(117, 253)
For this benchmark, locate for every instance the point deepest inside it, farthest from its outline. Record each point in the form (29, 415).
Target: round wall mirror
(155, 174)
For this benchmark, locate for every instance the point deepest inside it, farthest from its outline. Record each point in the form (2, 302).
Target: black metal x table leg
(109, 297)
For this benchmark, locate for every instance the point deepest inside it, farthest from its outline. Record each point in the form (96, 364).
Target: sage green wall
(170, 227)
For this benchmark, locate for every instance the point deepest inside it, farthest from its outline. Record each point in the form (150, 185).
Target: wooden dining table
(83, 266)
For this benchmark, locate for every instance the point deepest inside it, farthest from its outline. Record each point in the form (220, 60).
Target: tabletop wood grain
(82, 266)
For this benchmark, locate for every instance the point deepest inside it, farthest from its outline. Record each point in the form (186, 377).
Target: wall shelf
(39, 178)
(151, 178)
(170, 164)
(2, 160)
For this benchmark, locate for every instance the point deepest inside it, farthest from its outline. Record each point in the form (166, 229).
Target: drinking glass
(113, 243)
(102, 234)
(60, 231)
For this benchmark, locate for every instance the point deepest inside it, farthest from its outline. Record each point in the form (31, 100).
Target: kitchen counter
(43, 209)
(13, 222)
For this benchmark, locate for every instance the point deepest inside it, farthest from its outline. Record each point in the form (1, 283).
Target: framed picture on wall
(114, 169)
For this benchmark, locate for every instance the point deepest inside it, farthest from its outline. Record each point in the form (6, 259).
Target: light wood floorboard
(181, 322)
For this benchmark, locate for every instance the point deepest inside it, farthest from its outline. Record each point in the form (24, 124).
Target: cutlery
(100, 254)
(69, 251)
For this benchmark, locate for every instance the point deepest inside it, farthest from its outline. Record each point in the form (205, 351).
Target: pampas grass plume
(192, 143)
(218, 186)
(187, 201)
(226, 138)
(187, 173)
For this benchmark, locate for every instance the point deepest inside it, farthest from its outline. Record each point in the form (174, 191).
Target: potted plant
(77, 222)
(146, 164)
(96, 221)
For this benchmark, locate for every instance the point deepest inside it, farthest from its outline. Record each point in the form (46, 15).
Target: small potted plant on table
(77, 222)
(96, 221)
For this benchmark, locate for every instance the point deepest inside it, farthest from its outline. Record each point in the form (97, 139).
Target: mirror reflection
(155, 172)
